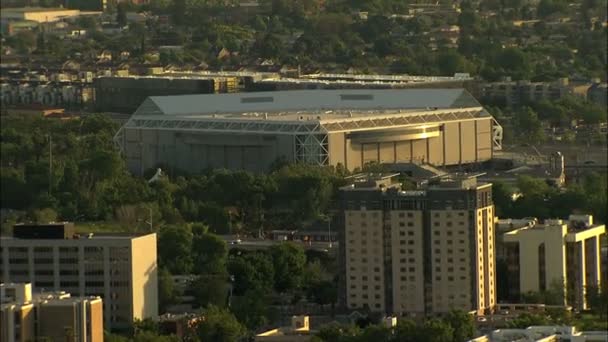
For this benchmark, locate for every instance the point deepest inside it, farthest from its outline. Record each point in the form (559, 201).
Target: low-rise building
(542, 256)
(38, 14)
(513, 93)
(299, 331)
(543, 334)
(180, 325)
(54, 316)
(122, 269)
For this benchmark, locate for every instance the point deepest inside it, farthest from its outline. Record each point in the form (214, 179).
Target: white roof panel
(307, 100)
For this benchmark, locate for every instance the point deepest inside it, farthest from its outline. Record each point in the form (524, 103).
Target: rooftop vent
(260, 99)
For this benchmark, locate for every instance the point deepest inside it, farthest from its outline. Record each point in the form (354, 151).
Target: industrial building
(250, 131)
(417, 252)
(556, 253)
(121, 269)
(48, 316)
(124, 94)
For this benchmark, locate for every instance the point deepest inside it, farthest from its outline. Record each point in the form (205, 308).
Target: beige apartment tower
(122, 269)
(418, 252)
(556, 253)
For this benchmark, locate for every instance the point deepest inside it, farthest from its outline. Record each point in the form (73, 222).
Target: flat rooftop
(84, 237)
(35, 9)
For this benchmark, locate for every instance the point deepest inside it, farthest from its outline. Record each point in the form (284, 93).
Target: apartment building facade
(120, 269)
(513, 93)
(553, 255)
(417, 252)
(55, 316)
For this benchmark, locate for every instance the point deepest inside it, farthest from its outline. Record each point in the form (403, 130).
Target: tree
(220, 325)
(514, 62)
(252, 309)
(435, 330)
(527, 319)
(451, 62)
(375, 333)
(289, 260)
(121, 14)
(253, 271)
(323, 292)
(405, 331)
(175, 249)
(114, 337)
(527, 124)
(209, 252)
(501, 196)
(210, 290)
(167, 293)
(463, 325)
(178, 14)
(148, 336)
(598, 300)
(335, 332)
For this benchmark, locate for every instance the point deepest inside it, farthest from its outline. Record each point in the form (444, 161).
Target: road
(259, 244)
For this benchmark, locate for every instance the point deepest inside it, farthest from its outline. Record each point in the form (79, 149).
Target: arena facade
(250, 131)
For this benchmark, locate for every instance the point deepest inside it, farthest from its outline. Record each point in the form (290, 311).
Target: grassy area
(102, 227)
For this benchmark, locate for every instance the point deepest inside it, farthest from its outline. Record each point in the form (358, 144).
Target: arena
(250, 131)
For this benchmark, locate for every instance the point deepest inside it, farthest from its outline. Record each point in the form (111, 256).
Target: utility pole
(150, 222)
(50, 161)
(329, 229)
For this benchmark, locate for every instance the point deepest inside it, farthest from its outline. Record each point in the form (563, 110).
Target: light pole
(147, 222)
(50, 162)
(329, 230)
(231, 287)
(328, 218)
(150, 222)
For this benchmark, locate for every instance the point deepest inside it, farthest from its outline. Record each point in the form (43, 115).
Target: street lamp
(147, 222)
(328, 218)
(231, 288)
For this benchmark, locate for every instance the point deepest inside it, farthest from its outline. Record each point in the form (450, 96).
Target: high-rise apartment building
(55, 316)
(550, 256)
(418, 252)
(122, 269)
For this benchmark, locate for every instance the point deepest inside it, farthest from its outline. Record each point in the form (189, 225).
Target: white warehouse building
(250, 131)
